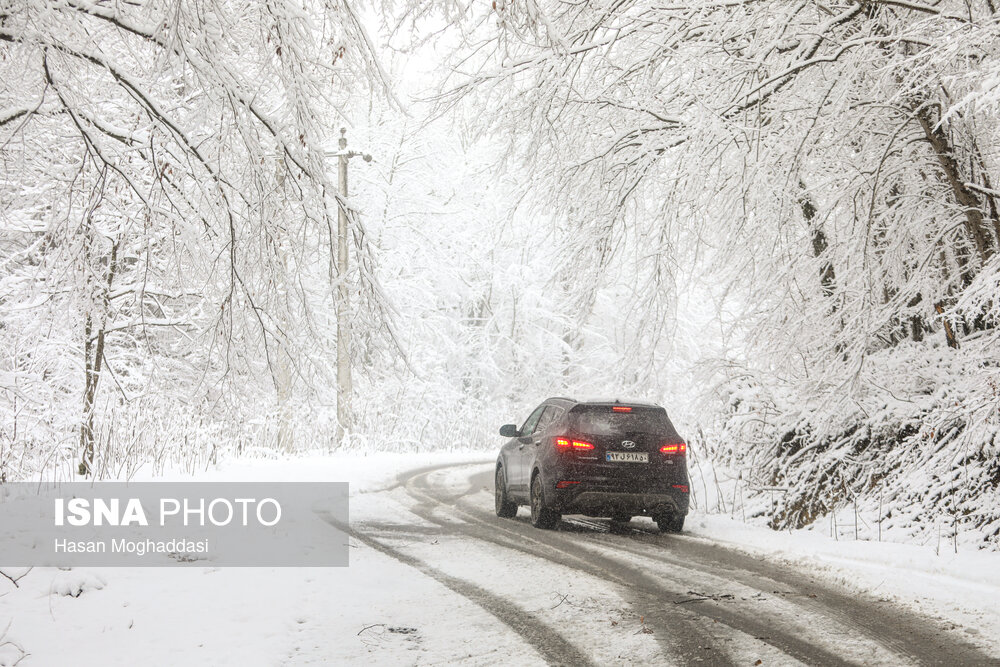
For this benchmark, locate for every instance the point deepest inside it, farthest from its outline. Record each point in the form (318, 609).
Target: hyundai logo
(628, 444)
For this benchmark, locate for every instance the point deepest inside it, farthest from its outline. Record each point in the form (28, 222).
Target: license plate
(626, 457)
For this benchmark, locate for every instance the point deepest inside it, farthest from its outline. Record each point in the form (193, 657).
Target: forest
(777, 219)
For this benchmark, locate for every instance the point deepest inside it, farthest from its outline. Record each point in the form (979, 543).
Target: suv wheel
(541, 516)
(670, 523)
(504, 506)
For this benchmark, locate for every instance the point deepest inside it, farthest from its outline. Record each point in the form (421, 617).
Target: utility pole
(344, 385)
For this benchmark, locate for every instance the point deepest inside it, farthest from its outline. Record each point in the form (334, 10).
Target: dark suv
(602, 459)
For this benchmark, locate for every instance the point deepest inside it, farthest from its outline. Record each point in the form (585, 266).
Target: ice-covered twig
(13, 579)
(21, 653)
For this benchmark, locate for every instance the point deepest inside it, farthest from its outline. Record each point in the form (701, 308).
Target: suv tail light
(674, 449)
(565, 442)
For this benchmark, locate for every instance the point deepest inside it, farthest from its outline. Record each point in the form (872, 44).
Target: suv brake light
(570, 443)
(621, 408)
(674, 448)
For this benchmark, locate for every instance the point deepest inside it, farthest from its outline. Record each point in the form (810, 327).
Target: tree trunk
(92, 366)
(949, 334)
(827, 276)
(975, 224)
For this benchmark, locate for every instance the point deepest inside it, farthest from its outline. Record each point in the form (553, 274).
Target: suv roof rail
(616, 401)
(562, 398)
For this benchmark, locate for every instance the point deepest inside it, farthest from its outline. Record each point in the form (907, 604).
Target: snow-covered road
(581, 595)
(436, 578)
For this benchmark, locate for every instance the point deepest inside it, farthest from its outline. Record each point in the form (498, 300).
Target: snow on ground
(252, 616)
(948, 579)
(381, 611)
(958, 588)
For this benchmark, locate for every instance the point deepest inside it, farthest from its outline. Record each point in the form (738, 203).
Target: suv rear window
(602, 420)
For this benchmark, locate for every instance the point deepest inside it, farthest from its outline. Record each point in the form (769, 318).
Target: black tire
(541, 516)
(505, 507)
(670, 523)
(619, 523)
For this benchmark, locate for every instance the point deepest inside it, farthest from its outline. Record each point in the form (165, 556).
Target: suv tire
(541, 516)
(505, 507)
(670, 523)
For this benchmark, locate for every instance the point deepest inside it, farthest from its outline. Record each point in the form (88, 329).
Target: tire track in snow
(675, 631)
(553, 648)
(918, 639)
(908, 634)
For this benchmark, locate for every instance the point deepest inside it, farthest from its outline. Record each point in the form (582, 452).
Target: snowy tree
(167, 211)
(825, 171)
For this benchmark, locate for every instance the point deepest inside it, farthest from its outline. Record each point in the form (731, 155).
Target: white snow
(383, 612)
(958, 588)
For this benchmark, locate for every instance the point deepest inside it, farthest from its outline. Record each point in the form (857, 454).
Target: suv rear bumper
(603, 503)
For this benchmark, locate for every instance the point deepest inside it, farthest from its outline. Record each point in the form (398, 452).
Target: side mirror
(509, 431)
